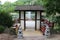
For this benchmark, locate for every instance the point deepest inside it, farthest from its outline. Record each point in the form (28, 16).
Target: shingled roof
(30, 8)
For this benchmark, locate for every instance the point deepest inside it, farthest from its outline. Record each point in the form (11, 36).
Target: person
(16, 29)
(47, 30)
(20, 33)
(43, 29)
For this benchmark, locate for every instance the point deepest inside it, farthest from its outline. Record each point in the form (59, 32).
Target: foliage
(19, 3)
(7, 7)
(6, 19)
(58, 20)
(39, 2)
(58, 6)
(23, 2)
(1, 29)
(52, 7)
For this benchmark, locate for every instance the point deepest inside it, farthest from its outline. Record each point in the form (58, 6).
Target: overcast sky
(7, 0)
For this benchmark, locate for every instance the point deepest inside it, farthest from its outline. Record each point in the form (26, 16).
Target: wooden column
(40, 19)
(36, 20)
(24, 21)
(19, 16)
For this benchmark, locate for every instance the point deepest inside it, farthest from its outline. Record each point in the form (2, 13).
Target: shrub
(6, 19)
(1, 29)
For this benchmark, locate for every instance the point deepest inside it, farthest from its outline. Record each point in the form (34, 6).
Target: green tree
(23, 2)
(52, 7)
(6, 20)
(57, 6)
(5, 17)
(7, 7)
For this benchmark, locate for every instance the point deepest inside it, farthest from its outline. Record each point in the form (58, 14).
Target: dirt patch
(6, 37)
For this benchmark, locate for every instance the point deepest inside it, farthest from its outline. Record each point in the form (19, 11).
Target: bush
(1, 29)
(6, 19)
(10, 31)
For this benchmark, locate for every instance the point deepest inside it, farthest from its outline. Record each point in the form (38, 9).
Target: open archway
(35, 10)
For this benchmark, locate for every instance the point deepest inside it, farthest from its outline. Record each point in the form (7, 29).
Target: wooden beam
(29, 20)
(24, 21)
(36, 20)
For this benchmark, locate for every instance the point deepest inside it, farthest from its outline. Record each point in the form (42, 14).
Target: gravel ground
(6, 37)
(55, 37)
(11, 37)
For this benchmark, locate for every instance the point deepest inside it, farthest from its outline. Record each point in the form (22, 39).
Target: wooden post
(40, 20)
(19, 20)
(24, 21)
(19, 16)
(36, 20)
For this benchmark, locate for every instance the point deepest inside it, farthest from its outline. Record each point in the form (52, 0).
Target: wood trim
(31, 10)
(28, 19)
